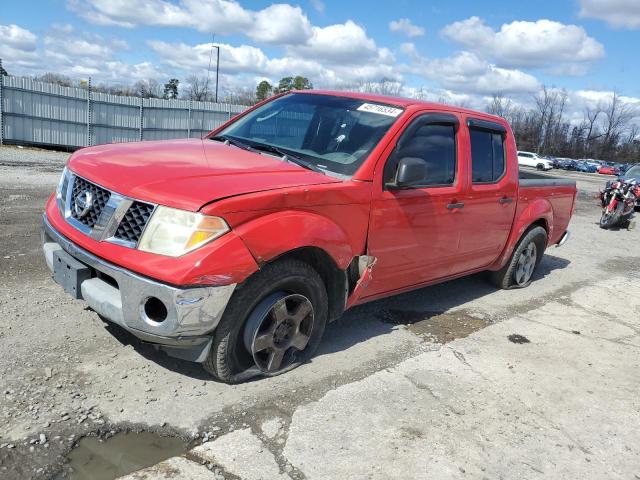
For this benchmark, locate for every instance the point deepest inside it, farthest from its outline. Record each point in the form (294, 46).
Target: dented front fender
(272, 235)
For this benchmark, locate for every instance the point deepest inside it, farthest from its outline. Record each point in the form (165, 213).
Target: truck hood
(187, 174)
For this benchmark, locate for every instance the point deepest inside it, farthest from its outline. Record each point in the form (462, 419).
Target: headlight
(61, 190)
(175, 232)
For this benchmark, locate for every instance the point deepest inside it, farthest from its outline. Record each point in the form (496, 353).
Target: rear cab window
(488, 163)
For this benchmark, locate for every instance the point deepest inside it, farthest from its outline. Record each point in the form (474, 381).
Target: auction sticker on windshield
(380, 109)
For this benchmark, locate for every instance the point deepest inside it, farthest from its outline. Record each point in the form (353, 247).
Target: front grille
(100, 197)
(133, 222)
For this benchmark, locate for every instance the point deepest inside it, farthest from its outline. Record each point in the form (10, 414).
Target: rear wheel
(518, 271)
(272, 324)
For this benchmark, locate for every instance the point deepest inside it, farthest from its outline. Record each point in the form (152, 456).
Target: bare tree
(500, 106)
(383, 87)
(56, 78)
(610, 131)
(149, 88)
(198, 88)
(590, 119)
(617, 115)
(240, 96)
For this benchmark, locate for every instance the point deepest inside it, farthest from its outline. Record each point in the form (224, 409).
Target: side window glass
(435, 144)
(487, 155)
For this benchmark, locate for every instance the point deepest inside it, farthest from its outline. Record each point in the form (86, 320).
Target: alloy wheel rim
(278, 329)
(526, 264)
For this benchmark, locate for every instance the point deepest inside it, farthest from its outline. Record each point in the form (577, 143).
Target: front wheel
(273, 323)
(518, 271)
(610, 219)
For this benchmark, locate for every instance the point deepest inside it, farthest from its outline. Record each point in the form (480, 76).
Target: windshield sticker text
(380, 109)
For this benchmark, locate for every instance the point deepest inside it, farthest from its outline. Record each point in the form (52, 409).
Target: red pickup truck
(236, 250)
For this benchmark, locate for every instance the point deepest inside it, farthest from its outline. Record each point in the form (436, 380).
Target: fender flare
(272, 235)
(538, 211)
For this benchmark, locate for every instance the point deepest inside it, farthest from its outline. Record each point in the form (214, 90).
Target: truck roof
(397, 101)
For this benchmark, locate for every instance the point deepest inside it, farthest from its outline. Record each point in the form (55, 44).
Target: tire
(507, 277)
(254, 301)
(540, 167)
(609, 220)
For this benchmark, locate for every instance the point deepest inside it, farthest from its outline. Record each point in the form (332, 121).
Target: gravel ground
(65, 374)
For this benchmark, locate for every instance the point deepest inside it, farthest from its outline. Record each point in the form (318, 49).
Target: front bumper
(120, 295)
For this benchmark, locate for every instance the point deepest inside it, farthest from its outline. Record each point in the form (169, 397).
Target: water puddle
(97, 459)
(436, 326)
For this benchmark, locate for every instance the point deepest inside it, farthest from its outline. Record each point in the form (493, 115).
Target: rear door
(490, 199)
(415, 232)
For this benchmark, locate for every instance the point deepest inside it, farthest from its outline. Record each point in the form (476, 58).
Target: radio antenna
(206, 84)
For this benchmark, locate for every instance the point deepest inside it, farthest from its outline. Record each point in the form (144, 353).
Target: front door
(415, 231)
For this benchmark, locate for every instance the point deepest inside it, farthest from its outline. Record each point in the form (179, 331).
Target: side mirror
(411, 171)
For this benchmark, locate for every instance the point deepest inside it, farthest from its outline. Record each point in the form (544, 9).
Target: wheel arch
(335, 280)
(312, 238)
(538, 213)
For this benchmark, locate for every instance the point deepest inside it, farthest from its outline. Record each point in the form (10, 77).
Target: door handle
(453, 206)
(505, 200)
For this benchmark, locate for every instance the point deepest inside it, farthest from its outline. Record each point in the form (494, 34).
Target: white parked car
(529, 159)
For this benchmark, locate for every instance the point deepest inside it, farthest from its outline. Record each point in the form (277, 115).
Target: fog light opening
(155, 310)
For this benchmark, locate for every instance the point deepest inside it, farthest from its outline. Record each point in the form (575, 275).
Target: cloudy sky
(462, 51)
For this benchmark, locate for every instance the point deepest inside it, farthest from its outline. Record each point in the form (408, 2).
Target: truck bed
(560, 193)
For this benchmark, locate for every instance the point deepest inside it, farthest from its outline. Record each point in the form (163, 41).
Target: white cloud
(250, 61)
(546, 44)
(77, 47)
(241, 59)
(466, 72)
(18, 46)
(617, 13)
(81, 54)
(281, 24)
(343, 42)
(129, 13)
(409, 48)
(318, 5)
(406, 27)
(440, 95)
(278, 24)
(17, 37)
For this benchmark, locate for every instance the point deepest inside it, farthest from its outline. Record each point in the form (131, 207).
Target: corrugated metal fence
(40, 113)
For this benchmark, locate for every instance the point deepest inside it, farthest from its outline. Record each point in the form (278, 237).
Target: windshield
(633, 172)
(334, 134)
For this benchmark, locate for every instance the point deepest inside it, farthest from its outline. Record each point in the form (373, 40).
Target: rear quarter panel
(551, 204)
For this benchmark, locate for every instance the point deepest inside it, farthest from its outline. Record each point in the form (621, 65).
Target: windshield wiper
(231, 141)
(287, 157)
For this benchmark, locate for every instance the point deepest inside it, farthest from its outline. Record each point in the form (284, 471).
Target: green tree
(302, 83)
(263, 90)
(171, 89)
(293, 83)
(2, 70)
